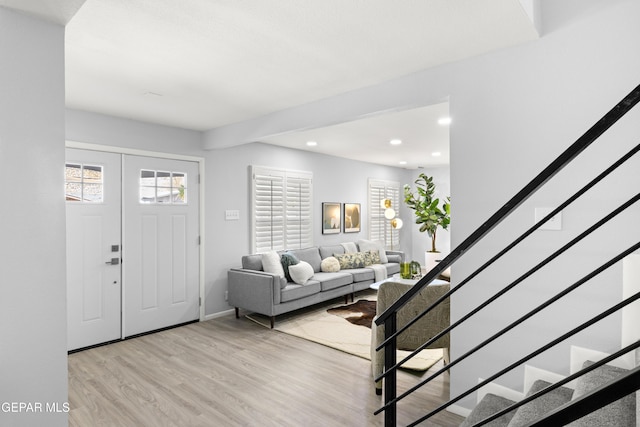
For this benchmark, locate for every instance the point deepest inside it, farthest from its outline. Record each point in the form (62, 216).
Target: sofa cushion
(332, 280)
(301, 272)
(327, 251)
(360, 274)
(294, 291)
(310, 255)
(330, 265)
(392, 268)
(356, 260)
(371, 245)
(252, 262)
(350, 247)
(271, 263)
(287, 259)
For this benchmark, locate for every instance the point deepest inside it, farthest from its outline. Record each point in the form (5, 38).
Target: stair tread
(540, 406)
(621, 413)
(489, 405)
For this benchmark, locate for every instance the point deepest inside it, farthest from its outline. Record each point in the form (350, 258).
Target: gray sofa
(253, 289)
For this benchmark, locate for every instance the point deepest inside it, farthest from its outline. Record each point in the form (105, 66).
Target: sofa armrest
(253, 290)
(396, 254)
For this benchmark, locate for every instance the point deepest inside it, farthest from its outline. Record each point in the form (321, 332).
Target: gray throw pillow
(288, 259)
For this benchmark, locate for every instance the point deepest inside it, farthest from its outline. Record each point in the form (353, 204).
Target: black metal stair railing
(574, 197)
(388, 318)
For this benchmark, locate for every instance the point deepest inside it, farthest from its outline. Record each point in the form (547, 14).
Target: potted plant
(429, 214)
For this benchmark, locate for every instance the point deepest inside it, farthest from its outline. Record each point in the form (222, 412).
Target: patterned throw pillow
(373, 257)
(348, 261)
(368, 245)
(288, 259)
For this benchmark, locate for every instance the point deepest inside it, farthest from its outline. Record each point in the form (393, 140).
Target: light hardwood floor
(233, 372)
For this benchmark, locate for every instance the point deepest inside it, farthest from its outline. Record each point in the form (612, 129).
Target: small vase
(405, 270)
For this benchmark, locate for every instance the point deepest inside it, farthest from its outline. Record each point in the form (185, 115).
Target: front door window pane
(163, 187)
(84, 183)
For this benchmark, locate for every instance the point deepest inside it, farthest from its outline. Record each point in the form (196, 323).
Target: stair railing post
(390, 381)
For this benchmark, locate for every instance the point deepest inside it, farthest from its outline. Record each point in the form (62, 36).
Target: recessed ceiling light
(444, 121)
(395, 142)
(436, 154)
(403, 162)
(311, 143)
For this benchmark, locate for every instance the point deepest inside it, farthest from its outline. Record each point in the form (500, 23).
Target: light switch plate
(232, 215)
(555, 223)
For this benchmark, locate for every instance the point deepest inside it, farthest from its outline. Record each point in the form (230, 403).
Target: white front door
(92, 191)
(161, 243)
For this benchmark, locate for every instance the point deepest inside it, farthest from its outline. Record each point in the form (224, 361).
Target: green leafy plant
(429, 215)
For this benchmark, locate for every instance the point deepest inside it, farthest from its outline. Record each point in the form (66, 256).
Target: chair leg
(273, 321)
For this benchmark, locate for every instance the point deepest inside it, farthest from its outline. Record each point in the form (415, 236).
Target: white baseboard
(498, 390)
(219, 314)
(579, 355)
(532, 374)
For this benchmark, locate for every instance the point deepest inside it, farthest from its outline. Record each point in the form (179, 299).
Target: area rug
(328, 325)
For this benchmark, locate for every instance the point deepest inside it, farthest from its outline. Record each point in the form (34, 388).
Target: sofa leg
(237, 313)
(273, 321)
(346, 299)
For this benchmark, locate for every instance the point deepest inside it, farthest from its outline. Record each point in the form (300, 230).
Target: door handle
(114, 261)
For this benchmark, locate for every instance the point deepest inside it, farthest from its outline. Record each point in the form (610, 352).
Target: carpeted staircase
(621, 413)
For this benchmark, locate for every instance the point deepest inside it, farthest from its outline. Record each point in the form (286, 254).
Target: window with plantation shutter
(281, 209)
(379, 226)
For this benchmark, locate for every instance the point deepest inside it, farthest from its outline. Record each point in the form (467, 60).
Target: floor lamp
(390, 214)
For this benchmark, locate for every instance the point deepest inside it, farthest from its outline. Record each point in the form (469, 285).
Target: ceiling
(203, 64)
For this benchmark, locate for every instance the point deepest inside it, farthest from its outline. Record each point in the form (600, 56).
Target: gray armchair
(417, 334)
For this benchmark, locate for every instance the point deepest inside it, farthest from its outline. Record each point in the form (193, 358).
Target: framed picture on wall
(331, 218)
(351, 217)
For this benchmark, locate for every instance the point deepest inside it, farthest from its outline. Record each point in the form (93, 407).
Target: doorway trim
(201, 192)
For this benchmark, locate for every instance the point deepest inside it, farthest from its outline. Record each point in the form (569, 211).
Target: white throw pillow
(350, 247)
(371, 245)
(271, 263)
(301, 272)
(330, 265)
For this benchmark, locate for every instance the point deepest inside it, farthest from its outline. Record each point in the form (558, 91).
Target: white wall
(33, 353)
(93, 128)
(334, 180)
(227, 185)
(513, 112)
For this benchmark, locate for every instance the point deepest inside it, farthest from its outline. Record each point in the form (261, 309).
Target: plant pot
(431, 259)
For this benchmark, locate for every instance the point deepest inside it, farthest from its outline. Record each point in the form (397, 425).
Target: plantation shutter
(379, 226)
(268, 210)
(281, 209)
(298, 211)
